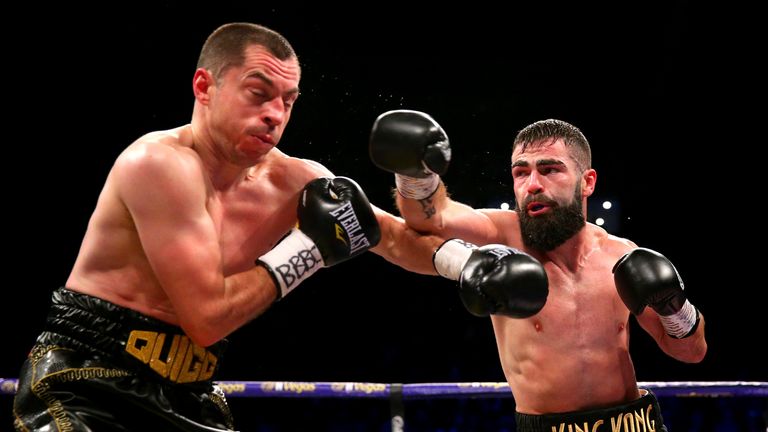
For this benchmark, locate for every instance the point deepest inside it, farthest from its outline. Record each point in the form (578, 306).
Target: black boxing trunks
(98, 366)
(641, 415)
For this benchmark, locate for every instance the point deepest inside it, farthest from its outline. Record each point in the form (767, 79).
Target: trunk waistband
(128, 338)
(642, 414)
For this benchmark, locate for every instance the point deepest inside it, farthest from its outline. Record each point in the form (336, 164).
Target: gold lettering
(562, 428)
(597, 423)
(651, 423)
(639, 419)
(140, 344)
(159, 366)
(586, 428)
(191, 368)
(184, 361)
(631, 424)
(209, 366)
(179, 360)
(616, 426)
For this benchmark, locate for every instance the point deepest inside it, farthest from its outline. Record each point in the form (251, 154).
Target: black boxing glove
(413, 146)
(646, 278)
(335, 223)
(494, 279)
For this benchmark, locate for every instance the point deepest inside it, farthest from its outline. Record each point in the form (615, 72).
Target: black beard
(550, 230)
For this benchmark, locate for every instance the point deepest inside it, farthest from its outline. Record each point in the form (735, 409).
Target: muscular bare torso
(573, 354)
(250, 217)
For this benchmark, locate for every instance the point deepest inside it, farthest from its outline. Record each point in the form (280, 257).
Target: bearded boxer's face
(548, 195)
(549, 230)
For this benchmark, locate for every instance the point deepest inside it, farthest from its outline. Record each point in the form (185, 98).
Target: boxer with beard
(567, 363)
(549, 231)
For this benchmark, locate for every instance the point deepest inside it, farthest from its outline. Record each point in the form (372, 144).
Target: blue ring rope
(295, 389)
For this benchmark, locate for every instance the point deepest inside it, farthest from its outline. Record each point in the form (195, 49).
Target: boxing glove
(413, 146)
(335, 223)
(494, 279)
(646, 278)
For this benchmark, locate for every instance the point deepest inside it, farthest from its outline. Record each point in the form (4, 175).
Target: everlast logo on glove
(501, 253)
(335, 223)
(345, 215)
(335, 213)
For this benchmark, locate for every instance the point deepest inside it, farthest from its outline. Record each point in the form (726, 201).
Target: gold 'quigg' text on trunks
(174, 357)
(99, 366)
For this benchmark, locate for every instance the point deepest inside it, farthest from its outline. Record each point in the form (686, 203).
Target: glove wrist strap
(449, 259)
(292, 261)
(682, 323)
(417, 188)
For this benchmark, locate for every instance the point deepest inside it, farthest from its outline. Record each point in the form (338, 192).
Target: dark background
(655, 89)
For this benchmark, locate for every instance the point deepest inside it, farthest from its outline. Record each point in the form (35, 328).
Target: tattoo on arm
(428, 207)
(427, 204)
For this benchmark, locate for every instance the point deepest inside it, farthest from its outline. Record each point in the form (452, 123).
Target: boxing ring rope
(396, 393)
(461, 390)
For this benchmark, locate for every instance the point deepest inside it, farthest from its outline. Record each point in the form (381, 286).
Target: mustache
(540, 199)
